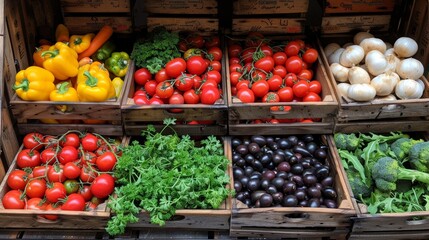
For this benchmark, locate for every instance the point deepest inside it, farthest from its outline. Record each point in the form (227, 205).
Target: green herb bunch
(156, 50)
(166, 173)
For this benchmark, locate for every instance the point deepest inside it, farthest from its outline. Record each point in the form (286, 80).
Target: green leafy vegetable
(156, 50)
(166, 173)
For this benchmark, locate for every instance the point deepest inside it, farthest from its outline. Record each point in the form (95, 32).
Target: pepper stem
(25, 84)
(63, 88)
(77, 41)
(91, 81)
(53, 53)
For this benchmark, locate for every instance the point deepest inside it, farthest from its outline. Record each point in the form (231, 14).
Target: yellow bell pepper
(34, 84)
(80, 43)
(93, 68)
(61, 60)
(118, 83)
(64, 93)
(93, 84)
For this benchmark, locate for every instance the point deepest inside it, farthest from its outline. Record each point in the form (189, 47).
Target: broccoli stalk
(386, 171)
(419, 157)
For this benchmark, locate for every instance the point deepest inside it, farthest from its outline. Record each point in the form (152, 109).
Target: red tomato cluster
(191, 79)
(263, 73)
(68, 172)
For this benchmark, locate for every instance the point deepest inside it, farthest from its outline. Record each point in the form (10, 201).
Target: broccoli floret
(386, 172)
(402, 146)
(359, 188)
(346, 141)
(419, 157)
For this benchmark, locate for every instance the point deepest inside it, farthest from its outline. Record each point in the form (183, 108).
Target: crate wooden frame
(326, 109)
(311, 222)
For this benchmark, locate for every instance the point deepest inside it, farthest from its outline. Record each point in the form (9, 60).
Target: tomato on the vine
(191, 97)
(74, 202)
(311, 97)
(209, 95)
(33, 141)
(106, 162)
(266, 50)
(85, 191)
(40, 171)
(71, 170)
(56, 173)
(142, 75)
(55, 191)
(90, 142)
(243, 84)
(12, 200)
(28, 158)
(275, 82)
(47, 156)
(17, 179)
(292, 48)
(70, 139)
(215, 65)
(184, 82)
(71, 186)
(216, 53)
(234, 50)
(285, 94)
(260, 88)
(140, 100)
(68, 154)
(35, 203)
(280, 58)
(315, 86)
(294, 64)
(164, 89)
(271, 97)
(160, 76)
(35, 188)
(196, 65)
(175, 67)
(301, 88)
(310, 55)
(87, 174)
(246, 95)
(213, 41)
(103, 185)
(266, 63)
(195, 41)
(88, 158)
(234, 78)
(305, 74)
(214, 75)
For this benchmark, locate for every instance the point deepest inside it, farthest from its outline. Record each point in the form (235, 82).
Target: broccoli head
(386, 171)
(359, 187)
(419, 157)
(402, 146)
(346, 141)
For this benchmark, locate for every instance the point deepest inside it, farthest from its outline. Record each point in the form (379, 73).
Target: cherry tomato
(247, 54)
(40, 171)
(103, 185)
(265, 63)
(215, 65)
(234, 50)
(280, 70)
(315, 86)
(260, 88)
(285, 94)
(51, 207)
(209, 83)
(271, 97)
(56, 173)
(85, 191)
(234, 78)
(142, 75)
(213, 41)
(156, 101)
(209, 95)
(88, 158)
(236, 67)
(294, 64)
(35, 188)
(70, 139)
(254, 39)
(68, 154)
(311, 97)
(175, 67)
(301, 88)
(216, 52)
(90, 142)
(140, 100)
(234, 60)
(195, 41)
(50, 141)
(71, 186)
(33, 140)
(246, 95)
(106, 162)
(164, 90)
(35, 203)
(87, 174)
(28, 158)
(12, 200)
(196, 65)
(160, 76)
(279, 58)
(74, 202)
(310, 55)
(47, 156)
(292, 48)
(184, 82)
(191, 97)
(215, 75)
(275, 82)
(55, 192)
(150, 87)
(176, 98)
(305, 74)
(17, 179)
(267, 50)
(258, 75)
(243, 84)
(71, 170)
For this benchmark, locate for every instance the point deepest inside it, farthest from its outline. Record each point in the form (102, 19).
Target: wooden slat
(201, 25)
(346, 24)
(255, 7)
(258, 233)
(9, 139)
(59, 235)
(99, 6)
(86, 24)
(353, 6)
(16, 32)
(381, 126)
(181, 7)
(2, 23)
(389, 235)
(241, 26)
(9, 68)
(114, 129)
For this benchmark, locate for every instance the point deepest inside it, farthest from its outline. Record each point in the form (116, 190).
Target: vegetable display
(269, 71)
(388, 173)
(177, 70)
(163, 173)
(72, 172)
(290, 171)
(370, 69)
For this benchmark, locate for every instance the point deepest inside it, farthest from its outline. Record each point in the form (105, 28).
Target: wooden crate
(240, 114)
(241, 26)
(196, 219)
(181, 7)
(99, 6)
(137, 117)
(21, 218)
(353, 6)
(382, 125)
(201, 25)
(255, 7)
(29, 113)
(346, 24)
(298, 222)
(350, 111)
(85, 24)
